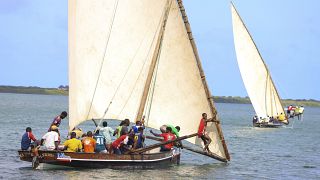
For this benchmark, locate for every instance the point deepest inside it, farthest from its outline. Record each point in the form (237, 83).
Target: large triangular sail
(179, 95)
(110, 46)
(110, 73)
(255, 74)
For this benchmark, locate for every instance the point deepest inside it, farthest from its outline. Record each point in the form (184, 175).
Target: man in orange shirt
(88, 143)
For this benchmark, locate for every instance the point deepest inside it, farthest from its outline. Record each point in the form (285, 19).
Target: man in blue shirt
(26, 139)
(100, 142)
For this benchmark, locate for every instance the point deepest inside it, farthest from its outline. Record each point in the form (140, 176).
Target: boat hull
(104, 160)
(268, 125)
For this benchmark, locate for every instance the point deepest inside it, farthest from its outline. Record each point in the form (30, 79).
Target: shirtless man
(202, 131)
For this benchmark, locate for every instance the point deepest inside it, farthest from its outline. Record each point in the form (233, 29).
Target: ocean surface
(285, 153)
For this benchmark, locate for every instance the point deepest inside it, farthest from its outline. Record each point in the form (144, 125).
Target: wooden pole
(202, 75)
(193, 150)
(154, 60)
(141, 150)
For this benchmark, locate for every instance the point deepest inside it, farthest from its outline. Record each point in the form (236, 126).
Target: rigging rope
(124, 76)
(104, 54)
(146, 58)
(119, 85)
(150, 98)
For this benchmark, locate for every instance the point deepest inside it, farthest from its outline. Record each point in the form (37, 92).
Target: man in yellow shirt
(281, 117)
(73, 144)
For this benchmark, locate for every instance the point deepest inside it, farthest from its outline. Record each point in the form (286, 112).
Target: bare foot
(209, 152)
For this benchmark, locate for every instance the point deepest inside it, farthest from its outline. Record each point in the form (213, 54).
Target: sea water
(256, 153)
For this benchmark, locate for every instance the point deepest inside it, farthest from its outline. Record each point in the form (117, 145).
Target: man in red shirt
(167, 136)
(122, 140)
(202, 132)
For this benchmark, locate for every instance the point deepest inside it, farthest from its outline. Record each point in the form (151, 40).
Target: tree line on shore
(63, 90)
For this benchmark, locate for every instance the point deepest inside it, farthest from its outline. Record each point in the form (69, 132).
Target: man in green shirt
(174, 130)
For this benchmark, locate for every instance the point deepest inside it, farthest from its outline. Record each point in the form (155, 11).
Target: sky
(34, 43)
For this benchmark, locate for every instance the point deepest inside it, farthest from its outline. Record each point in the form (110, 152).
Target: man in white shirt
(51, 139)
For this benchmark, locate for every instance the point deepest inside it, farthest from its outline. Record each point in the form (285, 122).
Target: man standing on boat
(57, 120)
(202, 132)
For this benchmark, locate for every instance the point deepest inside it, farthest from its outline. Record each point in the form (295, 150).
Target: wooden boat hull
(104, 160)
(268, 125)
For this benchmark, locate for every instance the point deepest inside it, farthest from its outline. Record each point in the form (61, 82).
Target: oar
(193, 150)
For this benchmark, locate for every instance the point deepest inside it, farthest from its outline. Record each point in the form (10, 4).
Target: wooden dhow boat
(148, 160)
(256, 77)
(129, 59)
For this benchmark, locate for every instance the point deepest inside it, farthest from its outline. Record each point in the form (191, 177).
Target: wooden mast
(154, 61)
(202, 75)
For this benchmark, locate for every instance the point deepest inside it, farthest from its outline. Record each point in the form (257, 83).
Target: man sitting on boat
(51, 139)
(138, 140)
(175, 131)
(122, 128)
(107, 132)
(282, 117)
(100, 142)
(116, 145)
(255, 119)
(73, 144)
(26, 139)
(136, 126)
(167, 136)
(78, 132)
(88, 143)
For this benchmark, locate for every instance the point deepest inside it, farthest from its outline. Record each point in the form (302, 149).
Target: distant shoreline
(285, 102)
(33, 90)
(217, 99)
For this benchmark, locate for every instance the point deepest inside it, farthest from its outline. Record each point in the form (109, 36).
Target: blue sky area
(33, 43)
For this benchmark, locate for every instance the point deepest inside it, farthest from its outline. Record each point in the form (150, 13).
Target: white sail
(101, 70)
(255, 74)
(178, 96)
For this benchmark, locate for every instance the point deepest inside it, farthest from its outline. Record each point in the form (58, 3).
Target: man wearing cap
(51, 139)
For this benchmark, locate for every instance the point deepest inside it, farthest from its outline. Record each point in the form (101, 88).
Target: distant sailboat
(256, 77)
(130, 58)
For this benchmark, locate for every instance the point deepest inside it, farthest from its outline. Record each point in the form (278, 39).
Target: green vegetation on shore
(61, 90)
(32, 90)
